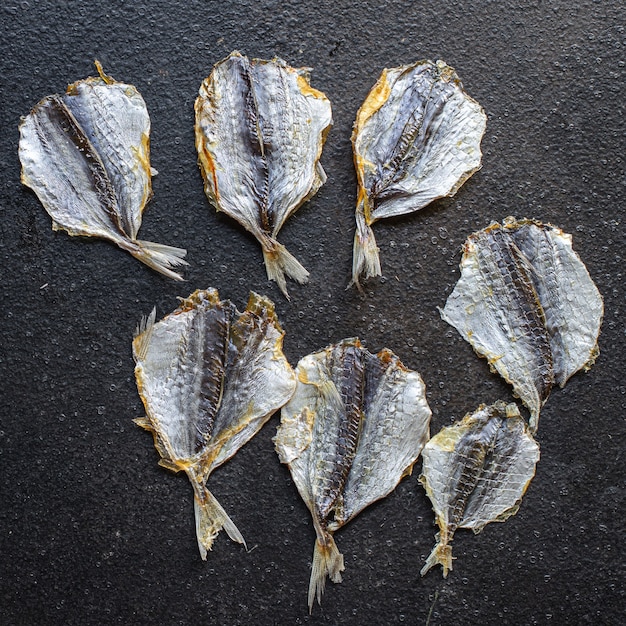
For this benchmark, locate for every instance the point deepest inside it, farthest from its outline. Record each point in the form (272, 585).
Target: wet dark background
(92, 531)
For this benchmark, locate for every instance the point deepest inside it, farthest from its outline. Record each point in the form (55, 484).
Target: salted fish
(476, 472)
(526, 302)
(354, 427)
(210, 377)
(260, 128)
(86, 154)
(416, 138)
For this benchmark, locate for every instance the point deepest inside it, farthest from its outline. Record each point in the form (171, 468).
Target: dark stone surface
(92, 531)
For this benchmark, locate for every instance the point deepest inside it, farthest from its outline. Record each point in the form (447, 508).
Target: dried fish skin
(416, 139)
(209, 378)
(86, 156)
(260, 129)
(476, 472)
(526, 302)
(353, 429)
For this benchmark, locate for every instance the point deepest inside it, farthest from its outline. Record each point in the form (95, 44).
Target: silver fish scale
(209, 378)
(535, 317)
(115, 137)
(340, 431)
(467, 467)
(260, 128)
(416, 138)
(336, 475)
(86, 156)
(503, 448)
(507, 276)
(546, 253)
(476, 472)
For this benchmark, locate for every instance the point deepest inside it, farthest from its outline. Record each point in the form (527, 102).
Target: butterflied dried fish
(354, 427)
(86, 156)
(260, 128)
(416, 138)
(209, 378)
(526, 302)
(476, 472)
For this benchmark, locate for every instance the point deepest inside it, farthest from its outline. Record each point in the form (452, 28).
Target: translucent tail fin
(365, 258)
(279, 262)
(441, 555)
(160, 257)
(210, 519)
(327, 561)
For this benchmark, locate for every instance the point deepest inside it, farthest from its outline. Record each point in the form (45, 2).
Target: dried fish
(86, 156)
(476, 472)
(526, 302)
(416, 138)
(260, 128)
(209, 378)
(354, 427)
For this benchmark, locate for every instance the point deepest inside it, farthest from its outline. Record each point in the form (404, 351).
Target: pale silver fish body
(86, 155)
(526, 302)
(416, 138)
(260, 128)
(209, 378)
(355, 426)
(476, 472)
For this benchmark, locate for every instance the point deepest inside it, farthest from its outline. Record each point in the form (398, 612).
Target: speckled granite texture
(92, 531)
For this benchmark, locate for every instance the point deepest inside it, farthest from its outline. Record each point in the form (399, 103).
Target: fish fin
(143, 334)
(168, 464)
(105, 78)
(160, 257)
(329, 392)
(365, 259)
(210, 519)
(144, 423)
(441, 555)
(280, 262)
(327, 561)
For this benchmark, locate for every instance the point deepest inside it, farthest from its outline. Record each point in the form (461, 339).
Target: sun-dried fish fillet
(86, 156)
(476, 472)
(354, 427)
(209, 378)
(526, 302)
(260, 128)
(416, 138)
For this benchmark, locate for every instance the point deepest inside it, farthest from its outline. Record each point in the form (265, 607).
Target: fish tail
(441, 555)
(327, 561)
(210, 519)
(365, 260)
(160, 257)
(279, 262)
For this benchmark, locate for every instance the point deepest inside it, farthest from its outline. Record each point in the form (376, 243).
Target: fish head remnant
(260, 129)
(526, 302)
(354, 427)
(210, 377)
(416, 138)
(86, 155)
(475, 472)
